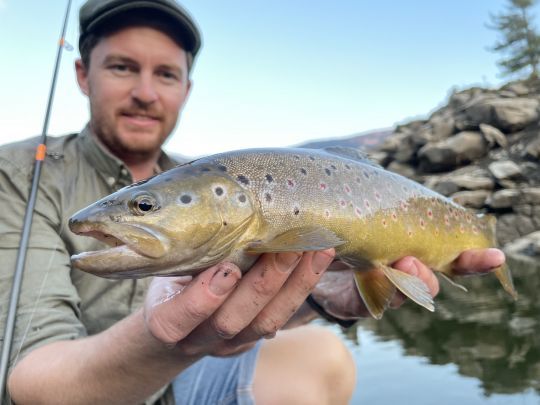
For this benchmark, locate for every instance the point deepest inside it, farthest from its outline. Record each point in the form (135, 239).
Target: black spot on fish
(311, 158)
(222, 168)
(218, 191)
(303, 171)
(296, 211)
(242, 198)
(224, 223)
(297, 157)
(205, 169)
(328, 172)
(167, 179)
(186, 199)
(348, 167)
(269, 178)
(268, 197)
(243, 179)
(333, 167)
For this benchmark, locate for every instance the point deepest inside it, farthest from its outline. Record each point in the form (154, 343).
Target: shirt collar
(108, 164)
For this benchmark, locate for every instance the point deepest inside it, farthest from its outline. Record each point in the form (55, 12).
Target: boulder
(531, 195)
(513, 226)
(533, 149)
(507, 114)
(493, 136)
(472, 199)
(526, 248)
(502, 199)
(504, 170)
(403, 169)
(459, 149)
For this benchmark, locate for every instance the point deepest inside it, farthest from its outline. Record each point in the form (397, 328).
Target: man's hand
(219, 312)
(337, 293)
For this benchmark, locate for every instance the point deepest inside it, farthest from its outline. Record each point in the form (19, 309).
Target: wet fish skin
(236, 205)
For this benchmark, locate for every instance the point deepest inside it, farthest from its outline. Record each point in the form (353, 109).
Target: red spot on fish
(409, 233)
(394, 216)
(358, 211)
(343, 203)
(430, 213)
(446, 220)
(323, 186)
(384, 224)
(377, 196)
(290, 183)
(403, 205)
(366, 203)
(422, 223)
(347, 189)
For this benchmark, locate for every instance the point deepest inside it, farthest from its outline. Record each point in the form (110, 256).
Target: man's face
(137, 84)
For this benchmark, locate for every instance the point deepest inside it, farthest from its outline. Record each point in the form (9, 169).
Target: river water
(479, 347)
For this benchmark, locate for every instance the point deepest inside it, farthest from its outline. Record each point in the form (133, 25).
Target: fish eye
(143, 204)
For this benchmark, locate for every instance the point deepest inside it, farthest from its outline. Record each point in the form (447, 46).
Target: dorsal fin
(351, 153)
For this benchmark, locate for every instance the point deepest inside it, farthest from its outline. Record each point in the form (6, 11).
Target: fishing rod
(27, 224)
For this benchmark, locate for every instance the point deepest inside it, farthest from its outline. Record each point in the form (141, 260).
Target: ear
(82, 76)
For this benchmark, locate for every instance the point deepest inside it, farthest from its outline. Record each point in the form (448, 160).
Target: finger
(477, 261)
(257, 289)
(173, 319)
(292, 295)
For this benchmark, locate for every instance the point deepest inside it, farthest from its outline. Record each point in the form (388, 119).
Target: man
(83, 339)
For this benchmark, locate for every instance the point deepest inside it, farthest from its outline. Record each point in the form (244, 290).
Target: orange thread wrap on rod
(40, 152)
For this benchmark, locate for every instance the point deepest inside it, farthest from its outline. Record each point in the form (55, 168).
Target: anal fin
(411, 286)
(301, 239)
(452, 282)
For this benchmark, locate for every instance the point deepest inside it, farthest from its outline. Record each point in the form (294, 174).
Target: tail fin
(502, 273)
(505, 278)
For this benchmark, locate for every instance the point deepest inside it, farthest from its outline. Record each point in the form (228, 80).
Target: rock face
(481, 149)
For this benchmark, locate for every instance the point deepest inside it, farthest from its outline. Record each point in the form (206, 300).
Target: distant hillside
(365, 140)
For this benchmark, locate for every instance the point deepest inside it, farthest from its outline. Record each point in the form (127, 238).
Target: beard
(128, 142)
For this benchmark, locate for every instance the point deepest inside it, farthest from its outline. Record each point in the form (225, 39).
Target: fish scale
(237, 205)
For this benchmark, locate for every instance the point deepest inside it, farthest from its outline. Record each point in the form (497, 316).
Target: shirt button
(123, 172)
(111, 181)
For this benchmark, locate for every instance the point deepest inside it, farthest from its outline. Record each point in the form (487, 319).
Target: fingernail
(320, 262)
(286, 261)
(414, 270)
(224, 279)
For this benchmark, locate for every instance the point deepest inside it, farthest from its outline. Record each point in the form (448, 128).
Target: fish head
(172, 224)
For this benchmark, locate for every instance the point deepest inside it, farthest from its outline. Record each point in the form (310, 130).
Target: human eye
(120, 69)
(168, 76)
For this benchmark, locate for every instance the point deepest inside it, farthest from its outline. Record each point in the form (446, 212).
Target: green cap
(93, 13)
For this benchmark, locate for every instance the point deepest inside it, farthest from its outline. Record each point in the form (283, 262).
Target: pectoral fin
(411, 286)
(298, 240)
(375, 289)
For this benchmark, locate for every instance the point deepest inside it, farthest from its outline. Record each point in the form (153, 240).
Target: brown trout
(234, 206)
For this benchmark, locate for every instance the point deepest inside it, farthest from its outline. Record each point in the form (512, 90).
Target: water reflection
(483, 332)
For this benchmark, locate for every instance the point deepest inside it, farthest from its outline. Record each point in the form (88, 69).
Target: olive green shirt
(59, 302)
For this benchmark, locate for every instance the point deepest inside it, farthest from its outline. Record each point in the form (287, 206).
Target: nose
(144, 90)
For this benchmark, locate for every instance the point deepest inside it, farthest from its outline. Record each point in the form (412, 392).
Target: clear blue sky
(271, 73)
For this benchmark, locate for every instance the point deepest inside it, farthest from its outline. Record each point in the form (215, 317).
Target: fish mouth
(131, 245)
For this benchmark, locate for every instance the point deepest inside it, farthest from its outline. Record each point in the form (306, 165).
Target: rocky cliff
(481, 149)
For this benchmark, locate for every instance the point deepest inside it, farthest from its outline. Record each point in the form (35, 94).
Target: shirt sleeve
(48, 307)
